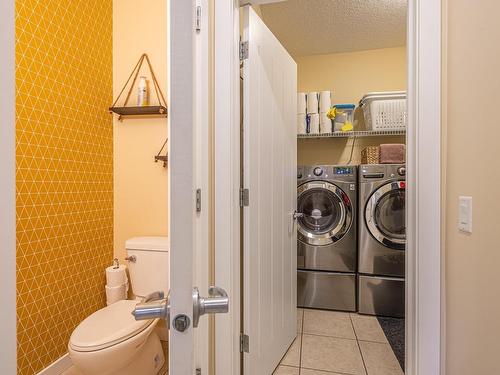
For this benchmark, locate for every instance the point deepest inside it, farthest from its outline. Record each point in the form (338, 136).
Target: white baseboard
(57, 367)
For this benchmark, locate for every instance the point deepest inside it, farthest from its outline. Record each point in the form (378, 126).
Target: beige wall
(140, 185)
(349, 76)
(472, 261)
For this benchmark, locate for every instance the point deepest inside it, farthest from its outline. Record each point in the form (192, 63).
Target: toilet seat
(107, 327)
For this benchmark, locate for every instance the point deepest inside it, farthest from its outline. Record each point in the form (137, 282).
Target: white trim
(227, 182)
(57, 367)
(8, 352)
(202, 179)
(423, 265)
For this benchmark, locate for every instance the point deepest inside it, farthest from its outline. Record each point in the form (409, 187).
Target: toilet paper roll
(115, 293)
(116, 276)
(312, 102)
(301, 103)
(325, 124)
(313, 123)
(325, 101)
(302, 124)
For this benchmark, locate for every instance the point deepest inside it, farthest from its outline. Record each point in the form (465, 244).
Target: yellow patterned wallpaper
(64, 173)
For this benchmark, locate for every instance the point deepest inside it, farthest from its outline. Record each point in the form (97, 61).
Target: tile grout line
(333, 337)
(329, 372)
(359, 346)
(301, 339)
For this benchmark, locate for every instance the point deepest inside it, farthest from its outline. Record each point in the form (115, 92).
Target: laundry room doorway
(385, 204)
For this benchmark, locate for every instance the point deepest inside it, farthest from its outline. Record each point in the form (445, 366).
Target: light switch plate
(465, 214)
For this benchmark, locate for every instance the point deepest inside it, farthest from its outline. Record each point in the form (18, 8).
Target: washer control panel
(318, 171)
(341, 173)
(343, 170)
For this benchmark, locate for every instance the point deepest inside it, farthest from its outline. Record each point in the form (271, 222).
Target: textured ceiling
(310, 27)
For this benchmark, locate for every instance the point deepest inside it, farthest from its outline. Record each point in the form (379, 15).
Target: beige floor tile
(331, 354)
(368, 328)
(300, 316)
(328, 323)
(72, 371)
(286, 370)
(292, 357)
(380, 359)
(304, 371)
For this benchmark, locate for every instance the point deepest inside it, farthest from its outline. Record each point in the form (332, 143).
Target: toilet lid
(107, 327)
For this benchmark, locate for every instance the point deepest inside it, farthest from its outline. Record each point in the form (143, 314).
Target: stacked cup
(312, 113)
(301, 113)
(116, 283)
(325, 103)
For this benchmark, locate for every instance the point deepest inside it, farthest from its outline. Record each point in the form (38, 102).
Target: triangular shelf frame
(149, 110)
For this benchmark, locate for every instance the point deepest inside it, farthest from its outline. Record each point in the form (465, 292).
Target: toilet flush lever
(217, 302)
(131, 258)
(159, 295)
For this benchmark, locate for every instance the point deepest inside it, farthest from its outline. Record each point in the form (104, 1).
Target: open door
(269, 174)
(190, 295)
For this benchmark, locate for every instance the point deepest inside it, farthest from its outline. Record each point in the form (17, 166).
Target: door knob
(217, 302)
(153, 308)
(296, 215)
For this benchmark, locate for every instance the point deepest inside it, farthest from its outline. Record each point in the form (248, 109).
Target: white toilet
(111, 341)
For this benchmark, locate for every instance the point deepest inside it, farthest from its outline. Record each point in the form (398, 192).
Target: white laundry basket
(384, 110)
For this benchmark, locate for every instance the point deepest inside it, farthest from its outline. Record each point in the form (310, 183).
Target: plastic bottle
(142, 92)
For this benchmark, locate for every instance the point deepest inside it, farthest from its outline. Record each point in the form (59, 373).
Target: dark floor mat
(394, 330)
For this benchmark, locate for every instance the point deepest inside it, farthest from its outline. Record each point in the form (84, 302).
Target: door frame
(8, 339)
(424, 269)
(198, 135)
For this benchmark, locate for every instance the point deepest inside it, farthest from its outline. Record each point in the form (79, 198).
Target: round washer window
(326, 213)
(321, 209)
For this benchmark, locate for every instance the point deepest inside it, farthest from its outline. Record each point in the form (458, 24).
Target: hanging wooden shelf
(160, 157)
(149, 110)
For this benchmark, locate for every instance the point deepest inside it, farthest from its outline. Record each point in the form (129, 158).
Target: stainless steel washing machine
(326, 236)
(382, 239)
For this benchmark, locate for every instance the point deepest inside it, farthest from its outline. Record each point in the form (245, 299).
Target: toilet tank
(150, 272)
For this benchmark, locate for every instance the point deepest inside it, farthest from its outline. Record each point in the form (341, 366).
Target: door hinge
(198, 18)
(198, 200)
(244, 197)
(244, 343)
(243, 51)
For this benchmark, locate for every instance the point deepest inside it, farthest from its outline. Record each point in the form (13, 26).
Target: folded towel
(392, 153)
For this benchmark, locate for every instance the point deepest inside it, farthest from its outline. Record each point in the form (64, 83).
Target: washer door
(327, 213)
(385, 215)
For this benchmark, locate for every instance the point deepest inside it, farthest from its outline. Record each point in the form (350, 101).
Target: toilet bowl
(111, 341)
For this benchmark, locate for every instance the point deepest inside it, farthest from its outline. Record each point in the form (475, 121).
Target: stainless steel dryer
(382, 239)
(326, 236)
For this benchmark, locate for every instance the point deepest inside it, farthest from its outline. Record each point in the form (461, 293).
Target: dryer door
(385, 215)
(326, 213)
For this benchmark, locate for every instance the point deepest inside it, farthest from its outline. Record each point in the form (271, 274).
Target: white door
(269, 174)
(188, 167)
(181, 184)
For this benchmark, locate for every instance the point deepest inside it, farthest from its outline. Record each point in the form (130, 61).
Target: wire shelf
(355, 134)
